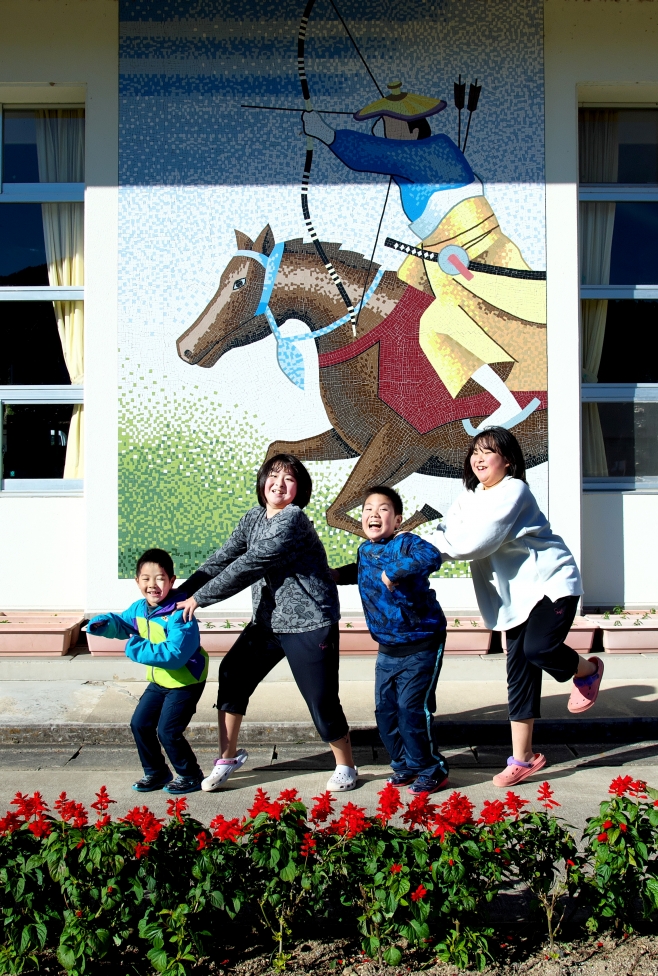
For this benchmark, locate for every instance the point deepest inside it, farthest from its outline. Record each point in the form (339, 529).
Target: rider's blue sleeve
(436, 160)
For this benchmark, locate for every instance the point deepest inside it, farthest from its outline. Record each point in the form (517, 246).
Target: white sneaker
(343, 779)
(222, 770)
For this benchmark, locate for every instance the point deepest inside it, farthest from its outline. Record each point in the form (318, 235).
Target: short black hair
(159, 557)
(289, 463)
(387, 492)
(423, 126)
(501, 441)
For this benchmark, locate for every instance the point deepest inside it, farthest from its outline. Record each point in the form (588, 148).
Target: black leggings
(313, 660)
(538, 645)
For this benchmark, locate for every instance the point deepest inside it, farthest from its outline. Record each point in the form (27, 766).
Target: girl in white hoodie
(526, 583)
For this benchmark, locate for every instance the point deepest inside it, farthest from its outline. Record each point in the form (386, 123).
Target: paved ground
(85, 689)
(580, 775)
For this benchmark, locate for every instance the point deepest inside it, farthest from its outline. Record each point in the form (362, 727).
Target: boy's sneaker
(152, 782)
(222, 770)
(401, 779)
(183, 784)
(343, 779)
(426, 785)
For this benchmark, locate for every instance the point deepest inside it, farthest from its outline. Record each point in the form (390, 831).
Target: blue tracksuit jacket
(411, 612)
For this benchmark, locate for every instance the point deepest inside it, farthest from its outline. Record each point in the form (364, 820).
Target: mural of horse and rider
(453, 340)
(369, 327)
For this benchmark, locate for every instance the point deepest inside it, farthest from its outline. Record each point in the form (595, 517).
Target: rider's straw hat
(401, 105)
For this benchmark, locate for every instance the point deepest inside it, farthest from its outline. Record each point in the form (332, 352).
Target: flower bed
(628, 632)
(31, 633)
(418, 876)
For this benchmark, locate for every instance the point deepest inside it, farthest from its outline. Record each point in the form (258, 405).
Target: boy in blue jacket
(177, 668)
(404, 615)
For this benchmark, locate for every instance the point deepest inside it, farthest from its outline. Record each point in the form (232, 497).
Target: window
(42, 298)
(618, 151)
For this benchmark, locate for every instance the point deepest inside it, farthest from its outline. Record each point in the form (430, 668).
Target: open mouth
(374, 523)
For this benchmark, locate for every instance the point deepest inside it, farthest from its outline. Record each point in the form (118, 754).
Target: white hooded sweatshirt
(516, 558)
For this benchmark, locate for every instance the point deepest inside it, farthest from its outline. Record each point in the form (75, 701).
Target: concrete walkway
(82, 691)
(580, 776)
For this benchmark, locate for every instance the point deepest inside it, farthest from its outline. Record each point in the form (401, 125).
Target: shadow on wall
(603, 549)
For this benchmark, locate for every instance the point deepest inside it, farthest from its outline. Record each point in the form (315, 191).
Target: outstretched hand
(317, 128)
(188, 607)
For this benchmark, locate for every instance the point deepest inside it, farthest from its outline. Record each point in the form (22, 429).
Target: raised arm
(118, 626)
(478, 530)
(284, 538)
(411, 556)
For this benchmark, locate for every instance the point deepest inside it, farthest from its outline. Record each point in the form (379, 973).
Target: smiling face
(280, 490)
(153, 583)
(378, 518)
(488, 466)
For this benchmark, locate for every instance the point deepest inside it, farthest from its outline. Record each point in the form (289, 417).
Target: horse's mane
(333, 251)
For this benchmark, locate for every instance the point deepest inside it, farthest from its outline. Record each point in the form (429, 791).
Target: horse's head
(229, 320)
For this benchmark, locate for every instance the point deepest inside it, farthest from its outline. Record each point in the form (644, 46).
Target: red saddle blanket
(407, 380)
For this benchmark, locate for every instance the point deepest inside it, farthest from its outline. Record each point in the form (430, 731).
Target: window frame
(46, 394)
(619, 392)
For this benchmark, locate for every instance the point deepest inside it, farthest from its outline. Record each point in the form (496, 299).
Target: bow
(308, 162)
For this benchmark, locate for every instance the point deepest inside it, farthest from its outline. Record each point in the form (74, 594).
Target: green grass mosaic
(187, 470)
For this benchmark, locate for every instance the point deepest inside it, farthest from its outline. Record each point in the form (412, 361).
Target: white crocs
(343, 779)
(222, 770)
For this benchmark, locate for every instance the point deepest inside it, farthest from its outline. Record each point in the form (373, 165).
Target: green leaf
(289, 872)
(392, 956)
(652, 888)
(66, 957)
(158, 959)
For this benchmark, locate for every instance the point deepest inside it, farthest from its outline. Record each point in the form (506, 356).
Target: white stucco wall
(67, 51)
(596, 52)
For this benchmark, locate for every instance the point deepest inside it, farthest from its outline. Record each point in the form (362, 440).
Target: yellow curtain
(60, 150)
(598, 151)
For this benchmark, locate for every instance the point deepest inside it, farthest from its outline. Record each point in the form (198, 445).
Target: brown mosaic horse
(384, 404)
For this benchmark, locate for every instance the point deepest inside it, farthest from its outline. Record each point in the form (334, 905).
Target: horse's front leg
(328, 446)
(392, 455)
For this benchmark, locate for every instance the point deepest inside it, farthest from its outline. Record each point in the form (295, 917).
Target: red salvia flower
(176, 807)
(389, 803)
(323, 808)
(71, 811)
(396, 868)
(100, 823)
(545, 797)
(352, 821)
(419, 893)
(145, 821)
(620, 785)
(29, 806)
(638, 788)
(442, 827)
(40, 827)
(602, 838)
(514, 804)
(570, 863)
(203, 840)
(9, 823)
(607, 825)
(261, 803)
(288, 796)
(457, 810)
(227, 830)
(492, 812)
(309, 845)
(623, 828)
(420, 812)
(103, 801)
(141, 850)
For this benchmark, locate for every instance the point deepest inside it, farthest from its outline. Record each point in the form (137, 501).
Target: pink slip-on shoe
(585, 690)
(516, 771)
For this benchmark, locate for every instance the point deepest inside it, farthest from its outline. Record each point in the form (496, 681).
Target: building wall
(67, 51)
(599, 52)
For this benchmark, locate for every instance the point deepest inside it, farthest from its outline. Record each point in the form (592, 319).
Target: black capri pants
(538, 645)
(313, 660)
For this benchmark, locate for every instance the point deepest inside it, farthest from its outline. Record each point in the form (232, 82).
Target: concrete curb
(547, 731)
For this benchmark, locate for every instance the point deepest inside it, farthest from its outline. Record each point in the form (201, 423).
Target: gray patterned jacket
(285, 563)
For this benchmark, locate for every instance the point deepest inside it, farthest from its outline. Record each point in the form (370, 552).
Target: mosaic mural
(317, 256)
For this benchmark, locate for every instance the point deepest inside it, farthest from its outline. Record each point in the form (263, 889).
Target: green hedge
(416, 876)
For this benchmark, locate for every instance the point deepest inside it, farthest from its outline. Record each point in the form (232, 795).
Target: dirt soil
(636, 955)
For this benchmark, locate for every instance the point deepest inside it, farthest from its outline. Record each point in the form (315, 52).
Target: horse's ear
(244, 243)
(265, 241)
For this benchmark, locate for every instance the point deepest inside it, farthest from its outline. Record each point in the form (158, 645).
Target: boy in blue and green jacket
(176, 668)
(404, 615)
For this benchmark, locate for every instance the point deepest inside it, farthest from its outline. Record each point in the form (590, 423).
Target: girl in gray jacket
(276, 550)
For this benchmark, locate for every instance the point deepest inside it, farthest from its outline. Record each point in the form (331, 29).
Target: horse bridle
(290, 359)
